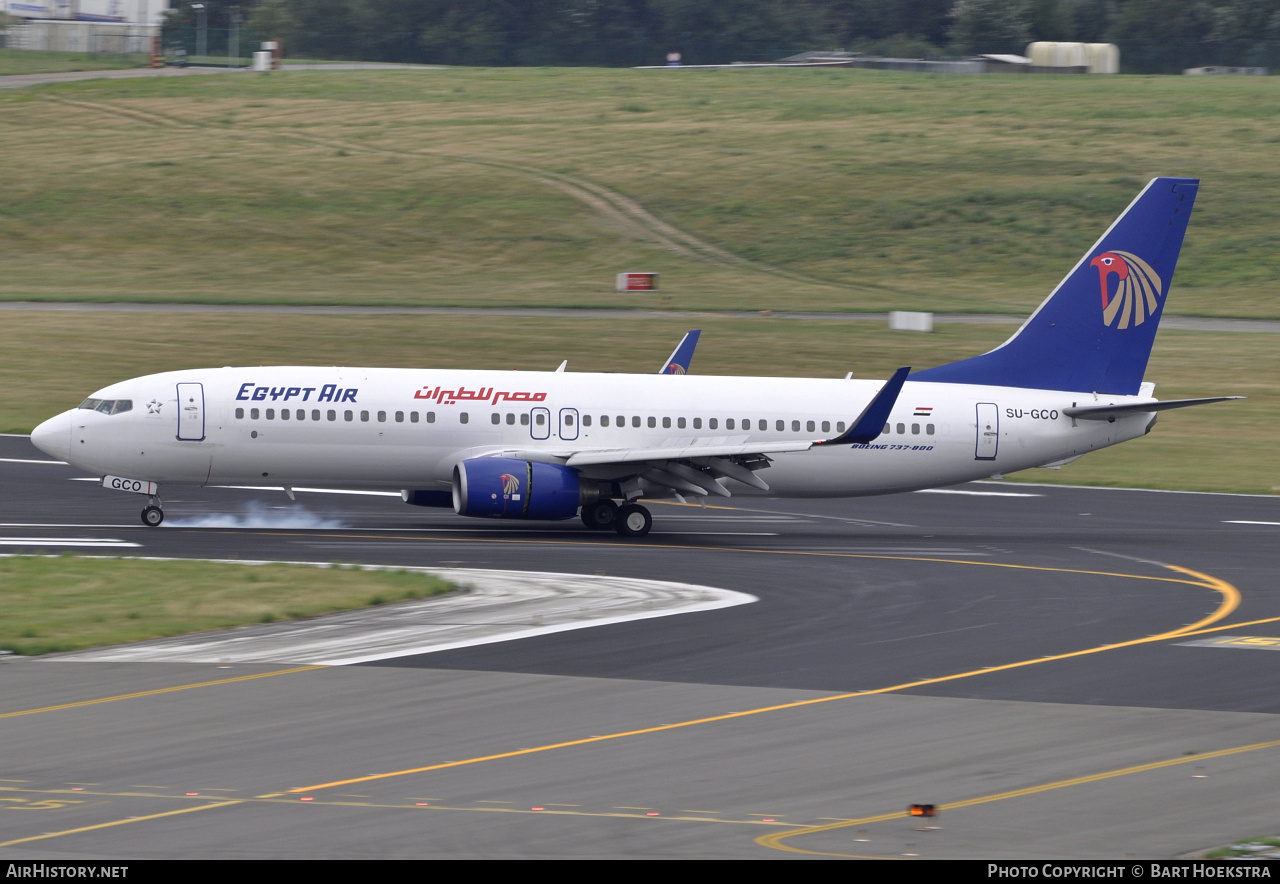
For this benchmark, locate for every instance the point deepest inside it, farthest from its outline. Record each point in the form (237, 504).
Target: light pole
(200, 29)
(233, 42)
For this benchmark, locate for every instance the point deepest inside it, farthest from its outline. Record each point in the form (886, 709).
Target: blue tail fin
(682, 356)
(1094, 331)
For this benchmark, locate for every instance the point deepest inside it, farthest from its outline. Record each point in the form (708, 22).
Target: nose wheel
(152, 516)
(633, 521)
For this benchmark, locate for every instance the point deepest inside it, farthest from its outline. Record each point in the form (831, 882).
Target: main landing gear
(629, 520)
(152, 515)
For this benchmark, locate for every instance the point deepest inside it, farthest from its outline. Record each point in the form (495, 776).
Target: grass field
(803, 189)
(1224, 447)
(21, 61)
(66, 603)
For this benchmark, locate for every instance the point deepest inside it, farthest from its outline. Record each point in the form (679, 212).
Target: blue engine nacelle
(506, 488)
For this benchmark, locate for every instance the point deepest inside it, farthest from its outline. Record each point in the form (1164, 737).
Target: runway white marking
(976, 493)
(280, 488)
(66, 541)
(1246, 522)
(497, 606)
(56, 463)
(62, 525)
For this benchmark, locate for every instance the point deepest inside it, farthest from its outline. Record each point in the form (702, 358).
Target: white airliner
(554, 445)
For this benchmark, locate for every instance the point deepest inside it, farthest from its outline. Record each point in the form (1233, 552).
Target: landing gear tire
(152, 516)
(601, 515)
(633, 521)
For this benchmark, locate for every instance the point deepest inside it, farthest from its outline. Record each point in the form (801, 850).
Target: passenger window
(666, 423)
(902, 428)
(399, 417)
(680, 422)
(413, 417)
(808, 427)
(332, 415)
(712, 424)
(728, 424)
(302, 414)
(511, 418)
(928, 428)
(586, 420)
(568, 420)
(382, 417)
(463, 417)
(524, 420)
(315, 414)
(635, 421)
(697, 423)
(495, 418)
(764, 424)
(253, 414)
(782, 425)
(271, 414)
(604, 420)
(622, 420)
(795, 426)
(284, 414)
(653, 422)
(540, 419)
(364, 417)
(431, 417)
(887, 428)
(348, 415)
(239, 413)
(840, 427)
(826, 426)
(915, 429)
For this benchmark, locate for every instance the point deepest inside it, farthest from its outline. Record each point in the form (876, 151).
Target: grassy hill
(759, 189)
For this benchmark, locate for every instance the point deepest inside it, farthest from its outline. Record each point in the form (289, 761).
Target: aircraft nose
(53, 437)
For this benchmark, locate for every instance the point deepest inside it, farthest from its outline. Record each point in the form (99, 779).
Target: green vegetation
(814, 189)
(1224, 447)
(66, 603)
(21, 61)
(1253, 848)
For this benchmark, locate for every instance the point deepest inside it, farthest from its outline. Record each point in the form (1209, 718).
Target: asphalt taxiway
(1066, 672)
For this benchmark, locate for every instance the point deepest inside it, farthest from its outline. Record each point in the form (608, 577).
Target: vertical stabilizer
(1095, 330)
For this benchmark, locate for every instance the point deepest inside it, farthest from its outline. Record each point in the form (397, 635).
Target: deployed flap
(1110, 412)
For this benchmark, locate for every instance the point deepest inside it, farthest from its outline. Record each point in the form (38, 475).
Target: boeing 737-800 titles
(554, 445)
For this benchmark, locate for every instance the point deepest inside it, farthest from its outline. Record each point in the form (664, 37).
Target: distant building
(133, 12)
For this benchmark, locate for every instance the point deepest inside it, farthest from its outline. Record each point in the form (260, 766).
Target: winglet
(678, 361)
(872, 420)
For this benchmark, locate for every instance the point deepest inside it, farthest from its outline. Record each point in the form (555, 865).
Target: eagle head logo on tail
(1137, 288)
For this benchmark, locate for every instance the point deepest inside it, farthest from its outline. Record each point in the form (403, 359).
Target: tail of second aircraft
(1094, 332)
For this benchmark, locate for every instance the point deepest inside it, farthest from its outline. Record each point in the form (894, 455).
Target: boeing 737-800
(554, 445)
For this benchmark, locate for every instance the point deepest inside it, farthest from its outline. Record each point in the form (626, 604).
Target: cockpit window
(108, 406)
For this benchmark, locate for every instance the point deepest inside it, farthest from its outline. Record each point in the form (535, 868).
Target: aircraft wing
(698, 467)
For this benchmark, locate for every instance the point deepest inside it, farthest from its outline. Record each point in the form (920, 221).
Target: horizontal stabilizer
(872, 420)
(1111, 412)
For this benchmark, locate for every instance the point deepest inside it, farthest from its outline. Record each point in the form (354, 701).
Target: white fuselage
(381, 428)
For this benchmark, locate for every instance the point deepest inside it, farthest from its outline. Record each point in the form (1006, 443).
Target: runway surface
(1066, 672)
